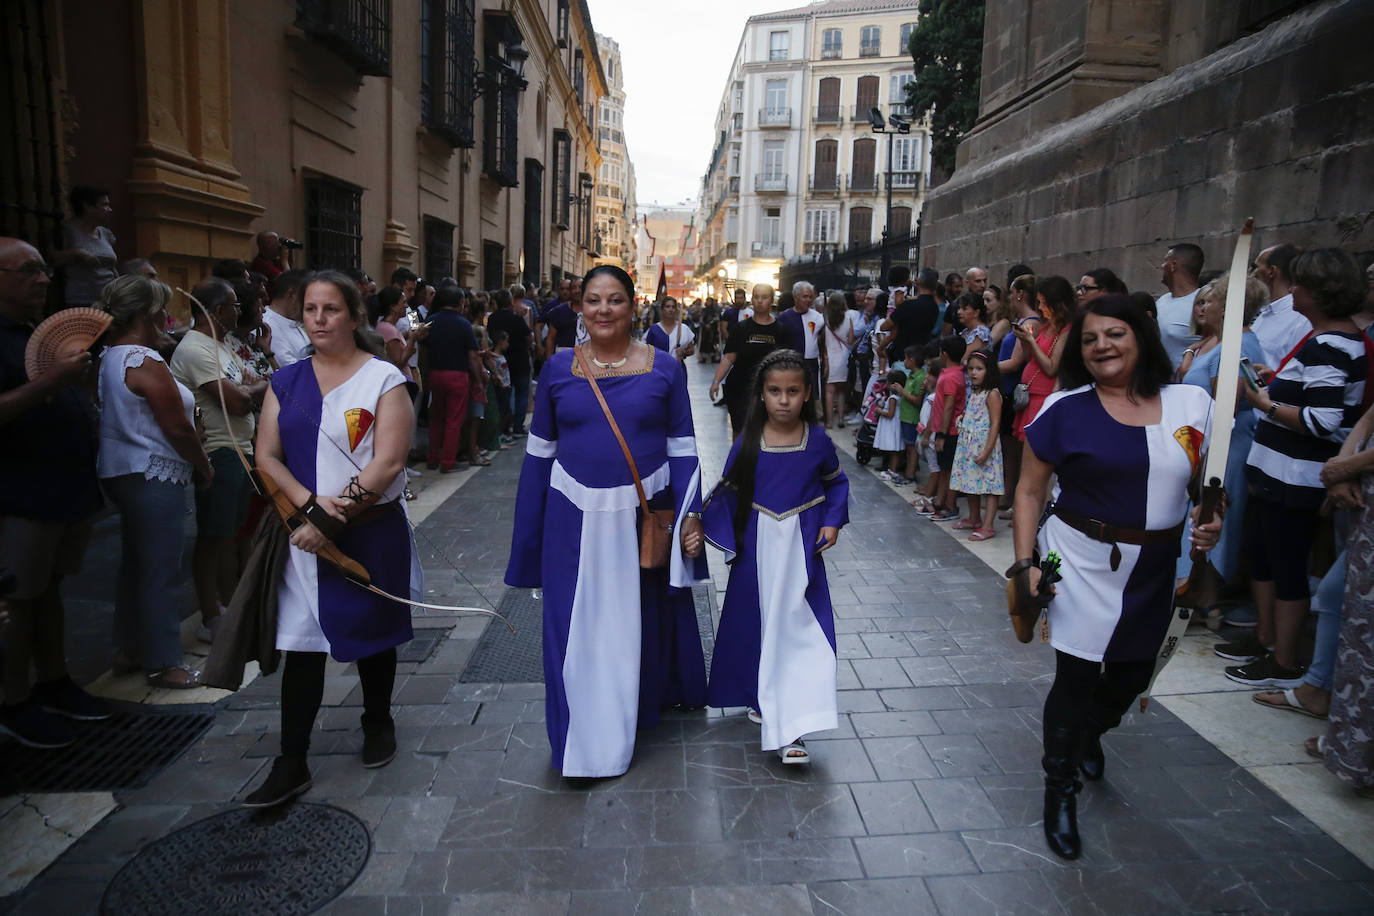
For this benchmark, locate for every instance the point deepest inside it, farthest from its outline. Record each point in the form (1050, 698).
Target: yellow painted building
(450, 136)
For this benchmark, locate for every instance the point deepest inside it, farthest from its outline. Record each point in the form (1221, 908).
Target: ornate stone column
(189, 206)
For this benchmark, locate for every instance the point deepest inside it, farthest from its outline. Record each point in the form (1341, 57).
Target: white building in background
(797, 168)
(614, 237)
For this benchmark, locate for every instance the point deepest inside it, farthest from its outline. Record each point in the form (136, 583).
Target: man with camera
(274, 255)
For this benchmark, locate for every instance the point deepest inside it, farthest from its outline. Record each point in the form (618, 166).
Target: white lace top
(131, 442)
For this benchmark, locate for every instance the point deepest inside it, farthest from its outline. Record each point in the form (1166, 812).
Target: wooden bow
(290, 515)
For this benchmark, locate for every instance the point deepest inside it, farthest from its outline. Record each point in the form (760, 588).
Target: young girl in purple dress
(780, 503)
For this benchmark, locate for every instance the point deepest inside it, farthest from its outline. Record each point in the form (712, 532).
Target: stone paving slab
(925, 800)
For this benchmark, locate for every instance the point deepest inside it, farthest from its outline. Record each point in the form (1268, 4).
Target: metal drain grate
(501, 658)
(122, 752)
(519, 659)
(421, 645)
(290, 860)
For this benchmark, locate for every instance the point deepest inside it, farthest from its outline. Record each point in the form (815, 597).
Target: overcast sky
(676, 57)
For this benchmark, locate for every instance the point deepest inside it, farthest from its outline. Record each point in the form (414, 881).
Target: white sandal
(794, 753)
(754, 716)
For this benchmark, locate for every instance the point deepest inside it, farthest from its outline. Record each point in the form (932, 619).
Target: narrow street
(926, 800)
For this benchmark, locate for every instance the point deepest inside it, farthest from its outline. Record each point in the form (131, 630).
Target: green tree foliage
(947, 48)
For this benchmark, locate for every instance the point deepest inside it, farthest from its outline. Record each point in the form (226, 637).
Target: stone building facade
(380, 133)
(666, 241)
(1109, 128)
(797, 169)
(614, 237)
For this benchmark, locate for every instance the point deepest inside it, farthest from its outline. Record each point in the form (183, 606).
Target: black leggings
(1093, 695)
(302, 689)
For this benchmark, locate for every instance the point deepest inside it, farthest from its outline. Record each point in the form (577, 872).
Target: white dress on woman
(837, 348)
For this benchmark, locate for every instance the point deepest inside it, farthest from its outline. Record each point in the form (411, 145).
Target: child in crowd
(945, 413)
(888, 437)
(780, 503)
(910, 413)
(925, 494)
(978, 454)
(500, 376)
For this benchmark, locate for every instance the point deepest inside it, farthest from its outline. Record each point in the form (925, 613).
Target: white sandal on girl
(794, 753)
(754, 716)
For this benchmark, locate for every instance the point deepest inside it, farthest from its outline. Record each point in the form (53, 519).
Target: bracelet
(1273, 409)
(695, 515)
(1018, 567)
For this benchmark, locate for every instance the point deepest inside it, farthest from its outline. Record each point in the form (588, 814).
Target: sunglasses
(1087, 289)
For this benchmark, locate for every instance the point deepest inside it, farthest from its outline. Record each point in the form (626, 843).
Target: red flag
(662, 292)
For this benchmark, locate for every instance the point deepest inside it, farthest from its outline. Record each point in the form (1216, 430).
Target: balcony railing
(777, 54)
(863, 184)
(904, 180)
(900, 109)
(870, 48)
(861, 109)
(826, 114)
(767, 249)
(770, 183)
(831, 52)
(826, 183)
(775, 117)
(359, 31)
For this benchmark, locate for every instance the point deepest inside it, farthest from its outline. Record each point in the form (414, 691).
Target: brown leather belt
(373, 513)
(1115, 534)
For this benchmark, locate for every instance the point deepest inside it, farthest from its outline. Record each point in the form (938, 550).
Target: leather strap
(1112, 534)
(605, 408)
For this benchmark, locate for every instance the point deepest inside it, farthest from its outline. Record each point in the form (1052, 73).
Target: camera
(291, 244)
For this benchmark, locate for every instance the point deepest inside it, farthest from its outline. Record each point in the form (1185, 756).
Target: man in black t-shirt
(914, 321)
(519, 335)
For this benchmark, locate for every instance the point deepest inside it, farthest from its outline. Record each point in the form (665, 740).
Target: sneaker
(289, 777)
(379, 743)
(1246, 649)
(1243, 616)
(64, 698)
(1266, 672)
(31, 726)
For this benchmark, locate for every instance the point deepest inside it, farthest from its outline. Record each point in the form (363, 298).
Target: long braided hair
(742, 472)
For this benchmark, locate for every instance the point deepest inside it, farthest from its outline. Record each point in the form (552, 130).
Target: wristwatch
(1018, 567)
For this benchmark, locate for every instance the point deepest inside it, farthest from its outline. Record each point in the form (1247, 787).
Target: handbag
(656, 526)
(1020, 397)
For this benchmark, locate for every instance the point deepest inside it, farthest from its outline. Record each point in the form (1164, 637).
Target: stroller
(868, 422)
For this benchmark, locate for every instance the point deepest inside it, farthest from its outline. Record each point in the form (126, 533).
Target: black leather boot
(379, 739)
(1061, 791)
(288, 778)
(1092, 762)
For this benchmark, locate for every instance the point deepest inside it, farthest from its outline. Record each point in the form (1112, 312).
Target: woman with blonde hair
(149, 453)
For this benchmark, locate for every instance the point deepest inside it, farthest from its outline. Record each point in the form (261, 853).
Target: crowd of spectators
(942, 375)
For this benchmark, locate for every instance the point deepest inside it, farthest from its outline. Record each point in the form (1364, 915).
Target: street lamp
(508, 70)
(899, 125)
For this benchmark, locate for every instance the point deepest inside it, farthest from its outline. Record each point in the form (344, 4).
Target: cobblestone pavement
(925, 800)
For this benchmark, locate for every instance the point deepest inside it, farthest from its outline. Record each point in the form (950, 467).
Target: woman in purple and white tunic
(333, 435)
(620, 642)
(1124, 446)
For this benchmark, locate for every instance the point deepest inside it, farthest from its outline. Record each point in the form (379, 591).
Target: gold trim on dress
(615, 373)
(833, 474)
(776, 516)
(777, 449)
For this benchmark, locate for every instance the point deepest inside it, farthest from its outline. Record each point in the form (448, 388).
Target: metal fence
(855, 267)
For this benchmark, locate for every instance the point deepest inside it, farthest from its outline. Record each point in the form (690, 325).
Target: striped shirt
(1325, 381)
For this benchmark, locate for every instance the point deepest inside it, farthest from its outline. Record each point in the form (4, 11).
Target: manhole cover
(122, 752)
(285, 861)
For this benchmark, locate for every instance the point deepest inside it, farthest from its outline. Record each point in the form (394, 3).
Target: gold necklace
(614, 364)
